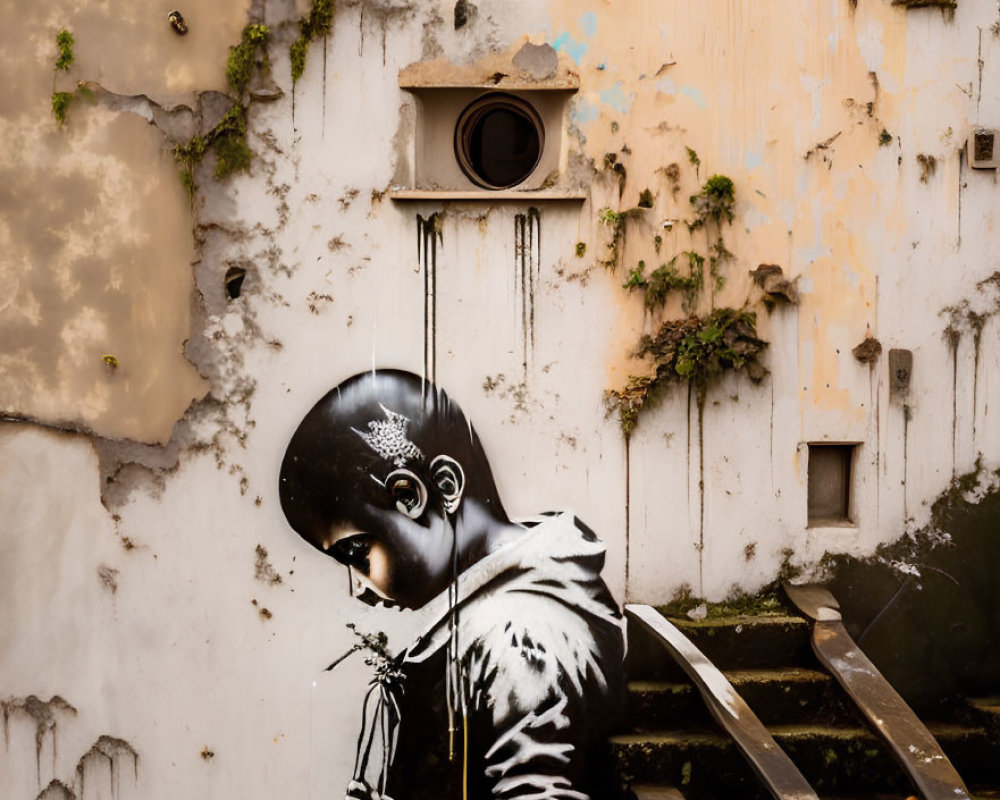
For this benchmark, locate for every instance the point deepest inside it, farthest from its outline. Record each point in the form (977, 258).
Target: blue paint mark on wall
(616, 98)
(588, 23)
(583, 112)
(696, 95)
(567, 44)
(666, 85)
(753, 159)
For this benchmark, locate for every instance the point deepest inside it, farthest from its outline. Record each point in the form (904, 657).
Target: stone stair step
(731, 643)
(645, 791)
(790, 694)
(971, 749)
(701, 764)
(975, 793)
(834, 760)
(654, 705)
(986, 711)
(855, 759)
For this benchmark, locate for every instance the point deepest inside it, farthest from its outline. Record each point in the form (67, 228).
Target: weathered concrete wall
(147, 614)
(96, 240)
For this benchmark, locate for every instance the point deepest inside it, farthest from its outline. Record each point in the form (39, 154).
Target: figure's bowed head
(386, 475)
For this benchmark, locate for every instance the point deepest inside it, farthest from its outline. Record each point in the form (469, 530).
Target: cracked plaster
(96, 231)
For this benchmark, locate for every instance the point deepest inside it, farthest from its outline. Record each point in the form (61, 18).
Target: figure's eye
(408, 492)
(353, 551)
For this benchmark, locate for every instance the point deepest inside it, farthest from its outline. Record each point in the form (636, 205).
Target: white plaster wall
(177, 659)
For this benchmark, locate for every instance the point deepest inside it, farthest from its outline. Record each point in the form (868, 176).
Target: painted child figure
(510, 691)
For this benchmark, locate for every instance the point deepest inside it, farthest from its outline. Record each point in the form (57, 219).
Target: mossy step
(653, 705)
(790, 694)
(848, 759)
(986, 711)
(700, 764)
(731, 643)
(645, 791)
(975, 793)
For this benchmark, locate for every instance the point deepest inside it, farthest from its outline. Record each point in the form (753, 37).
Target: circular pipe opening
(499, 140)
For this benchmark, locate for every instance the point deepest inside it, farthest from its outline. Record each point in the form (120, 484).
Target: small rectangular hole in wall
(830, 484)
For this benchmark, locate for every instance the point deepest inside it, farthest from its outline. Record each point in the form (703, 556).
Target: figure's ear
(408, 492)
(449, 479)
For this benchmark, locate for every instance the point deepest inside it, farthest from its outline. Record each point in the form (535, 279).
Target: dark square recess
(830, 483)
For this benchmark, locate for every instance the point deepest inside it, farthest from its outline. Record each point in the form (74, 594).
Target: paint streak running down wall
(428, 237)
(527, 259)
(44, 715)
(109, 769)
(110, 755)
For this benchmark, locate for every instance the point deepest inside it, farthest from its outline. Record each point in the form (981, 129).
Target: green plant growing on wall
(187, 155)
(64, 43)
(64, 59)
(666, 279)
(316, 24)
(713, 206)
(694, 160)
(616, 221)
(698, 349)
(60, 105)
(714, 202)
(718, 256)
(245, 56)
(695, 350)
(228, 139)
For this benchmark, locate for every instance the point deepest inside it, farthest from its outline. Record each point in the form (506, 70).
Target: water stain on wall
(44, 714)
(103, 770)
(428, 237)
(111, 757)
(527, 259)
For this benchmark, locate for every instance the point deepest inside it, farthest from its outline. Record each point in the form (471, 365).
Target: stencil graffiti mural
(511, 688)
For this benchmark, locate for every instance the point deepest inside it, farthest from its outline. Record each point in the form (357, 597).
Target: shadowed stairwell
(673, 748)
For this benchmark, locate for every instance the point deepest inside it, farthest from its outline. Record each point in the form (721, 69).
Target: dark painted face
(371, 477)
(407, 561)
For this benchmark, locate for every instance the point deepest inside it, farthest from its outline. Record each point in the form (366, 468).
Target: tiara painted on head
(388, 438)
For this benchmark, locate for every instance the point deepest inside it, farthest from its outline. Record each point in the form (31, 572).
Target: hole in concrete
(830, 477)
(234, 281)
(499, 140)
